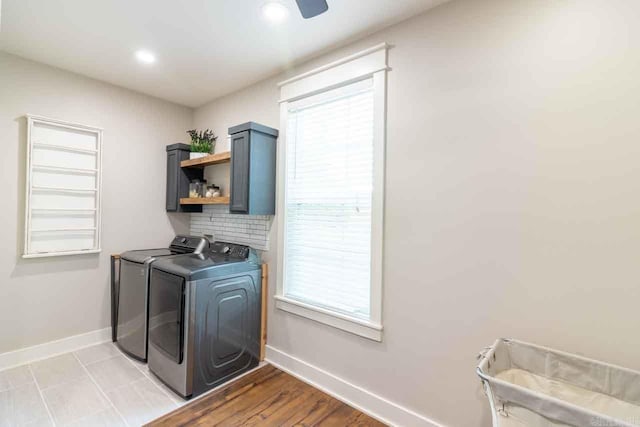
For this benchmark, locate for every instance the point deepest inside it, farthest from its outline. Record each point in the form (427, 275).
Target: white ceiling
(204, 48)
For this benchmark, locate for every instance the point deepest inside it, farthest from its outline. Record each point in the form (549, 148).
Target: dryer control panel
(188, 244)
(231, 250)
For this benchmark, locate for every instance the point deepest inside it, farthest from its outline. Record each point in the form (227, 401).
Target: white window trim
(369, 63)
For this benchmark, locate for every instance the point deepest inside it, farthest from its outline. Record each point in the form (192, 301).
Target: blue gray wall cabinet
(253, 169)
(178, 178)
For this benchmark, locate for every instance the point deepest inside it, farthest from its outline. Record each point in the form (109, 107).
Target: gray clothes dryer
(132, 330)
(204, 317)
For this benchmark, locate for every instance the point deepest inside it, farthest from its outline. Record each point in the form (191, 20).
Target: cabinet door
(240, 151)
(173, 165)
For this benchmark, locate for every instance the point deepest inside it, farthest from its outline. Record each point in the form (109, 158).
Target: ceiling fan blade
(311, 8)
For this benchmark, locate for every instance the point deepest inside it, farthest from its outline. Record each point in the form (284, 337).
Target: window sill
(363, 328)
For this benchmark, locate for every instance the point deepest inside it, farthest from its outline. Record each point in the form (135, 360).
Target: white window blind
(328, 201)
(62, 214)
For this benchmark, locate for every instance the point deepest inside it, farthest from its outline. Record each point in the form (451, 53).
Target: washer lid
(145, 255)
(179, 245)
(199, 266)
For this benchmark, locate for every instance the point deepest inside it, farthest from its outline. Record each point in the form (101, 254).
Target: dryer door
(166, 314)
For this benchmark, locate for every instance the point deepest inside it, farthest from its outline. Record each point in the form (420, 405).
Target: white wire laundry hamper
(533, 386)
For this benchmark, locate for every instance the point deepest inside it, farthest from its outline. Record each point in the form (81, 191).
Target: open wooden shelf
(212, 159)
(205, 200)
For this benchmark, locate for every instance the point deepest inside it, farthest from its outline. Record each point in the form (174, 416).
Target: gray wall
(51, 298)
(512, 196)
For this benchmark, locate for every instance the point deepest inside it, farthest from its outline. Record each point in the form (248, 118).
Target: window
(331, 194)
(62, 214)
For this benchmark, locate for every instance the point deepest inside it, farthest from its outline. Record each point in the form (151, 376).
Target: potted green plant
(202, 143)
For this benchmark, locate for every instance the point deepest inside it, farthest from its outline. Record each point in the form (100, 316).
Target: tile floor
(95, 386)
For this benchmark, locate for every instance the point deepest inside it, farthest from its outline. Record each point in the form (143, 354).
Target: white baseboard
(371, 404)
(53, 348)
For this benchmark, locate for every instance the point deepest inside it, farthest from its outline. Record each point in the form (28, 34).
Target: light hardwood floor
(266, 397)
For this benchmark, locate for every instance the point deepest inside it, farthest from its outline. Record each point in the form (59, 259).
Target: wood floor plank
(266, 397)
(202, 407)
(249, 400)
(347, 416)
(271, 410)
(323, 406)
(298, 410)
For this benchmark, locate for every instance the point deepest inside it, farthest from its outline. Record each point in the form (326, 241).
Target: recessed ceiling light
(145, 57)
(275, 12)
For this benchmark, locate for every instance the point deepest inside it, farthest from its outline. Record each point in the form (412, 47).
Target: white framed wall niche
(63, 188)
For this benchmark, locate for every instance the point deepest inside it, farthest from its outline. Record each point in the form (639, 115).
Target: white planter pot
(197, 155)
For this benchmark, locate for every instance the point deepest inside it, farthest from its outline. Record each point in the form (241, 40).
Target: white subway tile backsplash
(251, 230)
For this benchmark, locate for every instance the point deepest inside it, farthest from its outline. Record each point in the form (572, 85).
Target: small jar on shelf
(196, 189)
(213, 191)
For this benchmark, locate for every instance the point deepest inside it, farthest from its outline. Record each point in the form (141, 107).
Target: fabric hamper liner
(533, 386)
